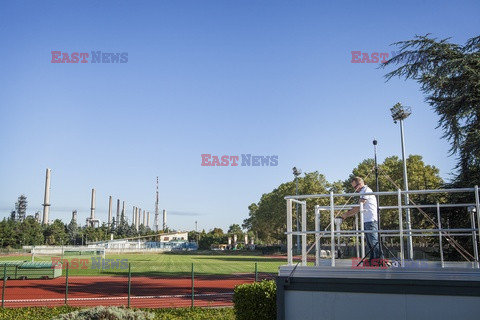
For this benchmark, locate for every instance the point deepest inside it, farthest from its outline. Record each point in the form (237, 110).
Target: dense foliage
(449, 75)
(20, 229)
(267, 218)
(256, 301)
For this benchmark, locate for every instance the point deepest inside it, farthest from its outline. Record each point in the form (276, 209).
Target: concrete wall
(337, 293)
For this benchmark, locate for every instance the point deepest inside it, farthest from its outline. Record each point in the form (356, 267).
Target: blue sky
(218, 77)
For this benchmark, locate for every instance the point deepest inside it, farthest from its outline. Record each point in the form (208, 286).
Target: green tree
(217, 231)
(209, 239)
(8, 233)
(267, 218)
(235, 229)
(56, 233)
(449, 75)
(420, 177)
(29, 232)
(73, 231)
(122, 228)
(142, 230)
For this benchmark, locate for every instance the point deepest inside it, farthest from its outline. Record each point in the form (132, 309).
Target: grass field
(165, 264)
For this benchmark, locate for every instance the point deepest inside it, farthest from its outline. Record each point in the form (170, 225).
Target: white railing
(335, 210)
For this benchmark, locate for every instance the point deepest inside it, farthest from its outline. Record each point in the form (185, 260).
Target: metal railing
(137, 284)
(402, 233)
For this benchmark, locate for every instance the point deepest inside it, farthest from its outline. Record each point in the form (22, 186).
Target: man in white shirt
(370, 217)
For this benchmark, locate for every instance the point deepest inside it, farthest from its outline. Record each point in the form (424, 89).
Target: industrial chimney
(92, 208)
(137, 218)
(133, 215)
(123, 217)
(156, 210)
(46, 199)
(37, 217)
(117, 220)
(164, 219)
(110, 211)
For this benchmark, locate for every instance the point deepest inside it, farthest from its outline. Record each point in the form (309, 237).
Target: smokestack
(92, 208)
(148, 219)
(123, 211)
(164, 219)
(133, 216)
(117, 220)
(74, 215)
(110, 211)
(144, 219)
(156, 210)
(46, 199)
(137, 216)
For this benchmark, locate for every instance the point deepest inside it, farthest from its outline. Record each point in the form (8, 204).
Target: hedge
(256, 301)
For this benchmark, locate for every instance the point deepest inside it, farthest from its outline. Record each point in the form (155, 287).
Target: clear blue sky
(218, 77)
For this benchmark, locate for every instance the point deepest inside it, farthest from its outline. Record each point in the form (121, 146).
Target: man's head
(357, 183)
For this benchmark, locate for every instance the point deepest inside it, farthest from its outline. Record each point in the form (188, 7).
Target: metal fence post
(4, 283)
(440, 234)
(129, 283)
(193, 286)
(66, 286)
(332, 234)
(256, 271)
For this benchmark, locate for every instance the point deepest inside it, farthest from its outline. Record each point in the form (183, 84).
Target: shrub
(103, 313)
(256, 301)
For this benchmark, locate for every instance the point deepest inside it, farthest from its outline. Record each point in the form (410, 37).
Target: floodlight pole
(296, 173)
(377, 187)
(298, 224)
(407, 200)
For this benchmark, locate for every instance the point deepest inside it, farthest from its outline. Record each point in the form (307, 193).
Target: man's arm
(353, 211)
(350, 213)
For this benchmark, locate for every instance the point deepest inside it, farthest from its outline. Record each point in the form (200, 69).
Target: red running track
(151, 292)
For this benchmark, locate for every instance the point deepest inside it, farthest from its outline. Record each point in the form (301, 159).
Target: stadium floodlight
(400, 113)
(296, 172)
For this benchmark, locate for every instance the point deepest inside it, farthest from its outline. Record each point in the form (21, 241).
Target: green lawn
(175, 264)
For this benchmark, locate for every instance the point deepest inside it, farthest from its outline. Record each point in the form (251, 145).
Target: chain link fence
(93, 281)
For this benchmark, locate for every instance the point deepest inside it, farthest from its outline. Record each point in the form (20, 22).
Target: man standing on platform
(370, 217)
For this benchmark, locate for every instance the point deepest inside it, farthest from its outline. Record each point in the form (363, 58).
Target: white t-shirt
(369, 206)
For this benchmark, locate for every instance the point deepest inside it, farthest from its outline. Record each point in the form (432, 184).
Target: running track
(151, 292)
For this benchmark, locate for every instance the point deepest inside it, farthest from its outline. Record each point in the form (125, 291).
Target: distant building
(160, 242)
